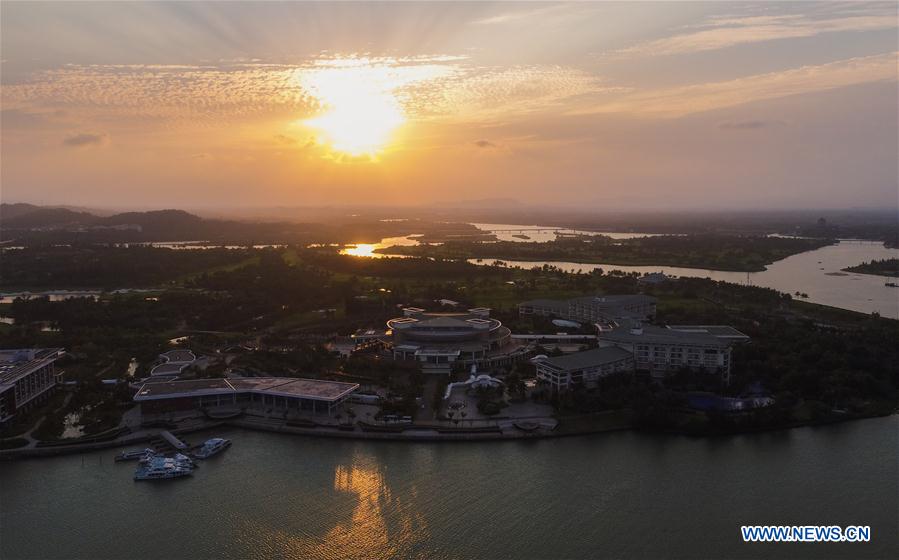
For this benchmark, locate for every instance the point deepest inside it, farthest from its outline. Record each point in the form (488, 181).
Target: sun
(360, 112)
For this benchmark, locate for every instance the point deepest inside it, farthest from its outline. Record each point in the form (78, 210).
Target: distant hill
(27, 223)
(28, 216)
(13, 210)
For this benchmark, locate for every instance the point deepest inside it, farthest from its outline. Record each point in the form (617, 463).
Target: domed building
(439, 340)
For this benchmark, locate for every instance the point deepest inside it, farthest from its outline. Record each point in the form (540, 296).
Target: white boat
(211, 447)
(160, 468)
(134, 454)
(184, 460)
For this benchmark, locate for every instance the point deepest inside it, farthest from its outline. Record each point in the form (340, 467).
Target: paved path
(32, 442)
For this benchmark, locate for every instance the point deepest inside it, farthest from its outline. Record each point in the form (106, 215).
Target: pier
(173, 441)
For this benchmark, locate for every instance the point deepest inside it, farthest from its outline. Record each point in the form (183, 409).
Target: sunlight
(361, 250)
(359, 98)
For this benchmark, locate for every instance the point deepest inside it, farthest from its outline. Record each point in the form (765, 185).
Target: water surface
(817, 274)
(612, 495)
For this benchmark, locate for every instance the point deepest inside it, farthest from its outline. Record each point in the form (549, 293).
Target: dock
(173, 441)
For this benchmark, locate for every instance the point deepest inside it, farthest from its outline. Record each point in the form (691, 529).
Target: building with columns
(439, 340)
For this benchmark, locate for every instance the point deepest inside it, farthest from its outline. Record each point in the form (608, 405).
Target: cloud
(18, 118)
(484, 144)
(749, 125)
(679, 101)
(167, 93)
(724, 32)
(284, 139)
(479, 94)
(426, 87)
(507, 17)
(85, 139)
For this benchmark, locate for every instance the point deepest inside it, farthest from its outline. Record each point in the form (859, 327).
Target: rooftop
(608, 303)
(663, 335)
(314, 389)
(588, 358)
(444, 321)
(179, 356)
(719, 331)
(167, 368)
(16, 363)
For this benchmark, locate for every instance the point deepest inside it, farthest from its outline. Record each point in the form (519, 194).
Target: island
(882, 267)
(740, 253)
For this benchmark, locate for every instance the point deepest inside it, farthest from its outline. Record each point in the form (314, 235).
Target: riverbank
(715, 252)
(505, 430)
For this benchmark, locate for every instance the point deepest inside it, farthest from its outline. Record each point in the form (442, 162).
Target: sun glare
(360, 250)
(360, 108)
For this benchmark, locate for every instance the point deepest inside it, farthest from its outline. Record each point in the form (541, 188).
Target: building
(663, 350)
(593, 309)
(27, 378)
(583, 369)
(173, 363)
(653, 278)
(286, 394)
(439, 340)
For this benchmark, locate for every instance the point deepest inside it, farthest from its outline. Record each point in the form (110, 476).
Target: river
(622, 494)
(818, 273)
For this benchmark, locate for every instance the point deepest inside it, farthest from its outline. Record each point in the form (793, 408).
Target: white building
(173, 363)
(439, 340)
(663, 350)
(592, 309)
(583, 369)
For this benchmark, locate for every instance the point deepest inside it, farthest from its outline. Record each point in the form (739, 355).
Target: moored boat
(161, 468)
(211, 447)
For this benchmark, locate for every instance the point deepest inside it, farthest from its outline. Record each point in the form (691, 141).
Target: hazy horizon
(581, 106)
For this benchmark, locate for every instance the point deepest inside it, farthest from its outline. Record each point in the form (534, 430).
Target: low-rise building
(286, 394)
(663, 350)
(27, 378)
(173, 363)
(653, 278)
(593, 309)
(583, 369)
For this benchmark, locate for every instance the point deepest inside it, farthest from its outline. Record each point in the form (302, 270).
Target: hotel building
(27, 378)
(664, 350)
(592, 309)
(583, 369)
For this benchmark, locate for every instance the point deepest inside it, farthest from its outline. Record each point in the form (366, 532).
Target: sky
(589, 105)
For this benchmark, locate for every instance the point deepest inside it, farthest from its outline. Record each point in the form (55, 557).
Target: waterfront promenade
(473, 430)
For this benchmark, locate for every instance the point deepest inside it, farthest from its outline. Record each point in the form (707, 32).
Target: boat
(178, 459)
(134, 454)
(891, 285)
(211, 447)
(161, 468)
(184, 460)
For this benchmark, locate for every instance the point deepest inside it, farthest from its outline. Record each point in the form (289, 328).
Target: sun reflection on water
(379, 527)
(362, 250)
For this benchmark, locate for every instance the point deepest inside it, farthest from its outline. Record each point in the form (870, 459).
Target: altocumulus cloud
(85, 139)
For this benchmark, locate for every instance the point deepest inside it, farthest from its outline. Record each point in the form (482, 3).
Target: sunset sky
(605, 105)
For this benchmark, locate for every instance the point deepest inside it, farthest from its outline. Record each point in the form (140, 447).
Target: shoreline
(416, 434)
